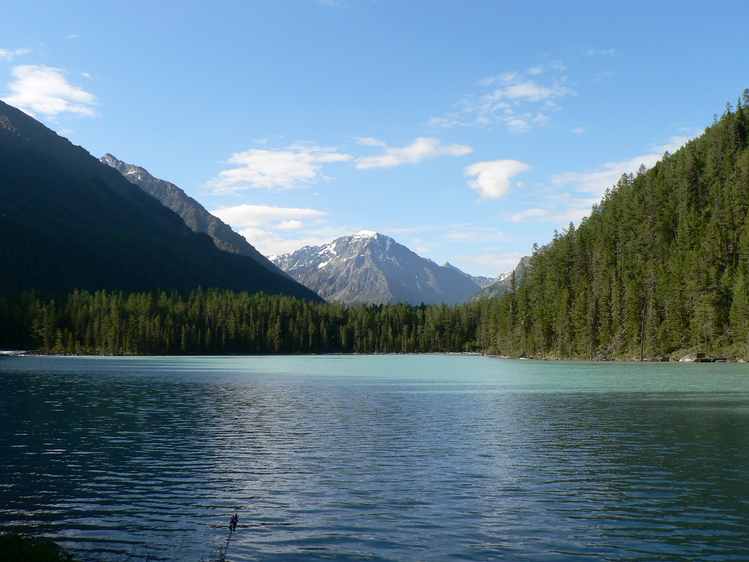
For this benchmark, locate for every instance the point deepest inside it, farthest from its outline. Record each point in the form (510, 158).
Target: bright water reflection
(377, 458)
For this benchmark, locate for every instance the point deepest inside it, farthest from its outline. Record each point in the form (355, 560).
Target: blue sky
(465, 129)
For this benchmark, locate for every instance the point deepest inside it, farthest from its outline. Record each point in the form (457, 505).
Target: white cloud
(505, 102)
(537, 215)
(599, 52)
(46, 91)
(369, 141)
(519, 89)
(502, 262)
(493, 178)
(420, 247)
(468, 233)
(518, 125)
(290, 225)
(584, 189)
(279, 230)
(561, 210)
(421, 149)
(271, 243)
(606, 175)
(296, 166)
(10, 55)
(262, 215)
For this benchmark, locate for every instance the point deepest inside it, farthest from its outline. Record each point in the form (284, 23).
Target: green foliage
(223, 322)
(660, 266)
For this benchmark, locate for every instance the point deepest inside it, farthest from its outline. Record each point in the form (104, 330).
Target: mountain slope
(68, 221)
(192, 212)
(480, 280)
(659, 268)
(371, 268)
(501, 285)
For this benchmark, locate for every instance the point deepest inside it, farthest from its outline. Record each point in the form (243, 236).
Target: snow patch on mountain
(373, 268)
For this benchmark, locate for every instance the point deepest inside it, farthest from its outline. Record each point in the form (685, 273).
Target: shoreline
(677, 357)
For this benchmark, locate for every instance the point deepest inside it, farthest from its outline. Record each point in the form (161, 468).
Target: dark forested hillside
(68, 222)
(659, 267)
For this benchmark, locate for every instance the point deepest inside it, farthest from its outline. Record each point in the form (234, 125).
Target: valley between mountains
(366, 267)
(101, 257)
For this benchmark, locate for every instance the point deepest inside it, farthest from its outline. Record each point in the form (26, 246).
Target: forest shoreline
(685, 357)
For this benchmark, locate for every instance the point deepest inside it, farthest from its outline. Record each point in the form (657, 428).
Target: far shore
(677, 357)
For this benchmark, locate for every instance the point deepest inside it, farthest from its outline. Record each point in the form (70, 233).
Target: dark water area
(433, 457)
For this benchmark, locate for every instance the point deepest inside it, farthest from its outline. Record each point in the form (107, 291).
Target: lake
(395, 457)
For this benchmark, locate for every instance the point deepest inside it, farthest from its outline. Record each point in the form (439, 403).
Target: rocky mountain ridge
(372, 268)
(193, 213)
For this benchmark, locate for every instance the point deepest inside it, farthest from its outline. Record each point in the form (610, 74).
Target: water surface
(434, 457)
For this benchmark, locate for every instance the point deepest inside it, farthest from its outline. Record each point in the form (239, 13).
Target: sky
(467, 130)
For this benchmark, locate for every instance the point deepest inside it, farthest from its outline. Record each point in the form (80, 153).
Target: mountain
(372, 268)
(480, 280)
(499, 287)
(659, 269)
(505, 282)
(68, 221)
(192, 212)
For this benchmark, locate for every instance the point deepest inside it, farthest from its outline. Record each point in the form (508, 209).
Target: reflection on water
(377, 458)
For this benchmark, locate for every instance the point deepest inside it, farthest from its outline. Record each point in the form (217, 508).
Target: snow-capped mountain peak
(373, 268)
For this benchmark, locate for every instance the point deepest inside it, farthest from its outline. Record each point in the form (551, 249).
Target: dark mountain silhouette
(192, 212)
(68, 221)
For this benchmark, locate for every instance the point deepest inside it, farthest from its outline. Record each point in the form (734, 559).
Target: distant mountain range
(480, 280)
(369, 267)
(69, 221)
(501, 284)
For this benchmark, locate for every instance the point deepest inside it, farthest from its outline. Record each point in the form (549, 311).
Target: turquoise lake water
(415, 457)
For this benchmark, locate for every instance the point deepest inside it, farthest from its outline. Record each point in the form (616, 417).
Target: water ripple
(389, 458)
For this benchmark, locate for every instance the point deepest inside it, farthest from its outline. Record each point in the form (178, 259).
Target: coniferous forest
(225, 322)
(659, 268)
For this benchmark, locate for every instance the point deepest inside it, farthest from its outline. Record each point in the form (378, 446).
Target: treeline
(224, 322)
(660, 266)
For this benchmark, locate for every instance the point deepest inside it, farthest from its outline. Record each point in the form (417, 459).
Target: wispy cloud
(602, 177)
(8, 55)
(560, 210)
(279, 230)
(517, 99)
(299, 165)
(261, 215)
(599, 52)
(42, 90)
(427, 240)
(493, 178)
(502, 261)
(270, 242)
(572, 194)
(421, 149)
